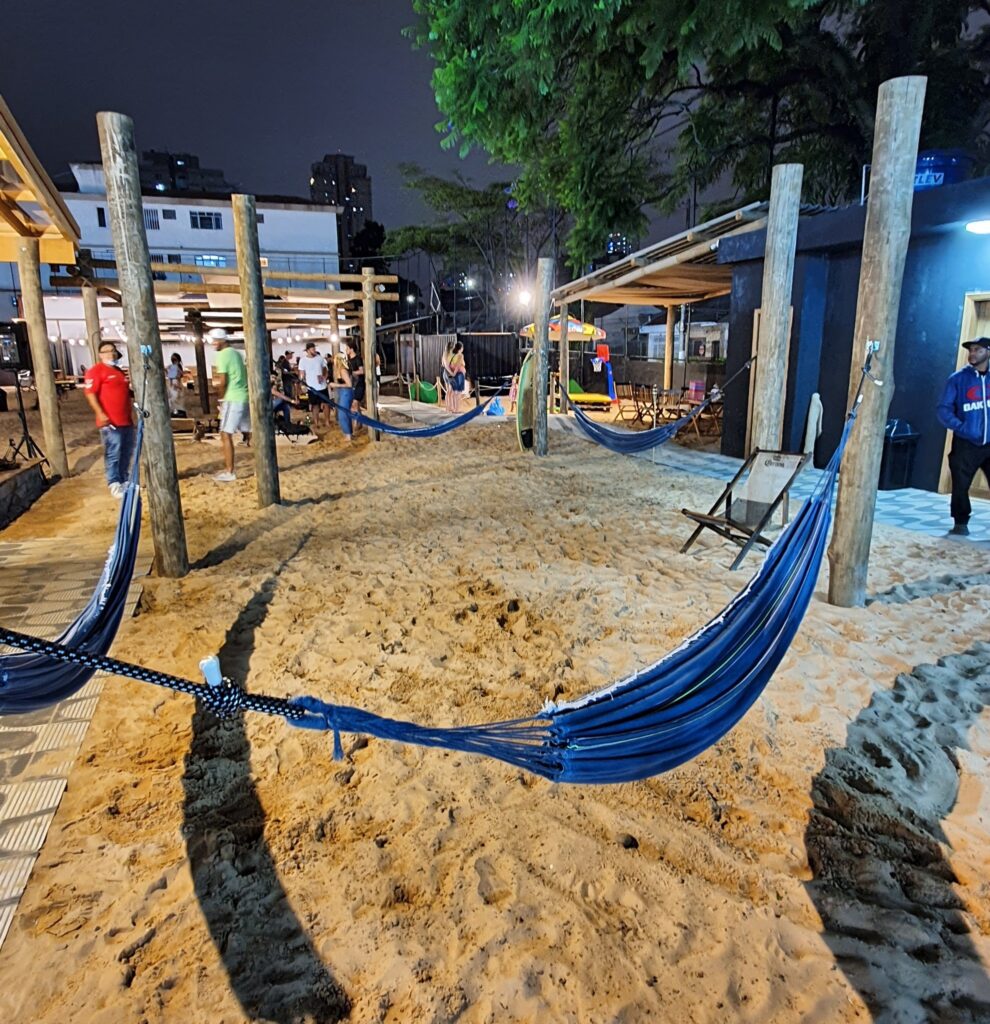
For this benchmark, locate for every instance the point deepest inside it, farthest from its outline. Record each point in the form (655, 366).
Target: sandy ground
(827, 861)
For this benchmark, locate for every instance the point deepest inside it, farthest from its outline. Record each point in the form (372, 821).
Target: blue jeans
(118, 446)
(281, 409)
(343, 398)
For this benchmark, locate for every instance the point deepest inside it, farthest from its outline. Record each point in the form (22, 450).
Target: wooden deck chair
(750, 500)
(628, 410)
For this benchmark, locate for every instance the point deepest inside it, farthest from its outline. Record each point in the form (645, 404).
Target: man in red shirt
(109, 394)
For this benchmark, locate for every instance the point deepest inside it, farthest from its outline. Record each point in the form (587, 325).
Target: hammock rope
(634, 728)
(628, 442)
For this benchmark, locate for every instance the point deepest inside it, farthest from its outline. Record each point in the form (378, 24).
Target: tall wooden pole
(29, 271)
(778, 275)
(885, 243)
(161, 478)
(541, 347)
(564, 366)
(334, 324)
(195, 321)
(668, 349)
(91, 311)
(370, 376)
(256, 349)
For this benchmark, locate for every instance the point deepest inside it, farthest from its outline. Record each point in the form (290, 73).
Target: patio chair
(750, 500)
(628, 409)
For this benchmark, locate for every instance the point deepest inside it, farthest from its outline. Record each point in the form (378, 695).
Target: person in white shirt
(313, 369)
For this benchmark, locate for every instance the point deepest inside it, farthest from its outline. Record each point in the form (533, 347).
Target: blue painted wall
(944, 262)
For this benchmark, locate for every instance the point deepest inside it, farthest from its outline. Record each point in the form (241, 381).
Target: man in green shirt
(234, 412)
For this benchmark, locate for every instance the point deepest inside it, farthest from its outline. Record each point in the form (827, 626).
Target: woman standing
(458, 376)
(174, 374)
(343, 386)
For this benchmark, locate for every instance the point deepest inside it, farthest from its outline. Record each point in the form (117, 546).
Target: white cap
(218, 334)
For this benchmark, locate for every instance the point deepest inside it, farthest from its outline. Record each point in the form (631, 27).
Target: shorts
(234, 417)
(318, 397)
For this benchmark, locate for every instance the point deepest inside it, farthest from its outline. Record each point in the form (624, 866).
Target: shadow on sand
(881, 879)
(273, 968)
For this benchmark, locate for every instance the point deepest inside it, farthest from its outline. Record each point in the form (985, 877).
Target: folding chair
(749, 501)
(628, 410)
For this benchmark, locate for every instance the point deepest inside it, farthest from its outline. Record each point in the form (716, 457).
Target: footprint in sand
(882, 882)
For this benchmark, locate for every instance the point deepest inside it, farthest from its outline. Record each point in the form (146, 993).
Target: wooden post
(120, 168)
(195, 321)
(29, 271)
(885, 244)
(370, 377)
(778, 276)
(541, 347)
(564, 367)
(334, 324)
(91, 311)
(668, 349)
(256, 349)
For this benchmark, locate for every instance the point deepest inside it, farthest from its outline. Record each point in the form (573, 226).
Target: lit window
(205, 221)
(210, 260)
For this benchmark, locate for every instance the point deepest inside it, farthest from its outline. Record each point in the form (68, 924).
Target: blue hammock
(32, 681)
(645, 724)
(628, 442)
(435, 431)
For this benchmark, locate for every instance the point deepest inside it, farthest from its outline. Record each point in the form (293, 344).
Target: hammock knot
(320, 716)
(225, 699)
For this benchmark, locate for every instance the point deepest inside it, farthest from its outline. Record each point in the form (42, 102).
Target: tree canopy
(612, 105)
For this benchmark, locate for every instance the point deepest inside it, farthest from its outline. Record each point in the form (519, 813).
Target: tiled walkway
(43, 586)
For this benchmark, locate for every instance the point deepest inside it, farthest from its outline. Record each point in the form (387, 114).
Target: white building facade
(296, 236)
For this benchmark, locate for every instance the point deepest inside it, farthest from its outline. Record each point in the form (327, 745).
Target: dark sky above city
(259, 89)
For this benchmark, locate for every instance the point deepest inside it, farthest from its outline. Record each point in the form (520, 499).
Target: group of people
(340, 373)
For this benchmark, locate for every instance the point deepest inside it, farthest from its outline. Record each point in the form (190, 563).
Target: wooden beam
(256, 351)
(274, 275)
(778, 275)
(564, 366)
(29, 271)
(30, 170)
(161, 478)
(370, 348)
(541, 346)
(886, 238)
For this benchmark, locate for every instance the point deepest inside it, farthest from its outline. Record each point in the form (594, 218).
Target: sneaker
(960, 530)
(117, 490)
(224, 477)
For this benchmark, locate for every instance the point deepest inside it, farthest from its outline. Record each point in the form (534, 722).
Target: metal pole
(29, 271)
(256, 349)
(120, 168)
(541, 346)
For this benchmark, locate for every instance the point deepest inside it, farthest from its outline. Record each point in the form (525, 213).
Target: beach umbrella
(576, 331)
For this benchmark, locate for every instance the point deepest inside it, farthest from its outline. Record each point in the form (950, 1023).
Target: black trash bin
(900, 440)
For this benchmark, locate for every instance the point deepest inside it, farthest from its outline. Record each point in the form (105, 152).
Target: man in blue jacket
(965, 410)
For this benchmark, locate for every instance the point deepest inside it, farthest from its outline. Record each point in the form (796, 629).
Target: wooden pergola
(35, 227)
(678, 271)
(30, 205)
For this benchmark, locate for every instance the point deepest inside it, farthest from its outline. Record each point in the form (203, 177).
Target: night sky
(259, 89)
